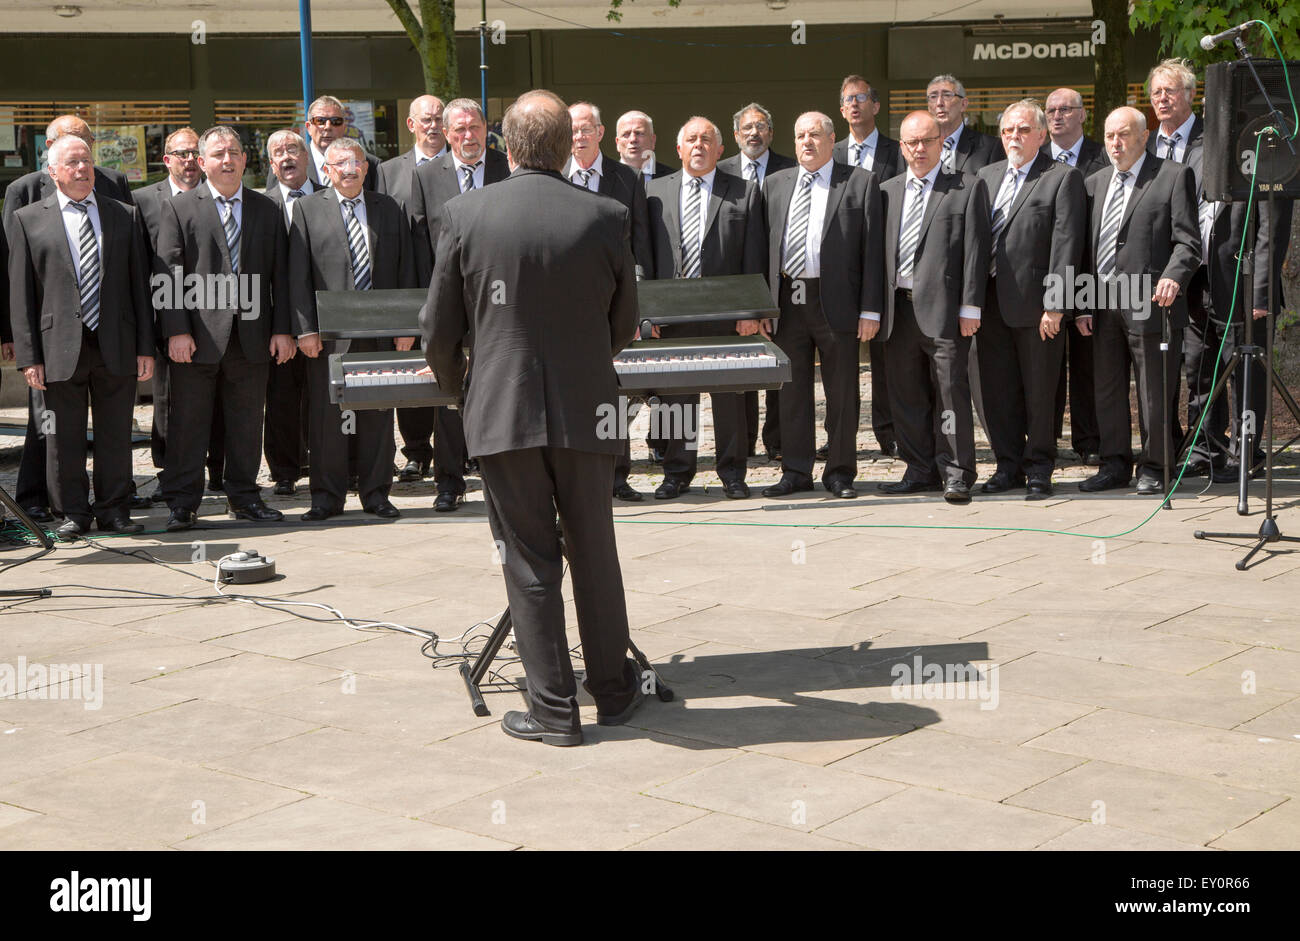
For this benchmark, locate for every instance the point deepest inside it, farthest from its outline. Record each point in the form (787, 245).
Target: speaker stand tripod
(47, 546)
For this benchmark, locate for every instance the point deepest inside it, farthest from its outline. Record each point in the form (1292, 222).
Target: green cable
(1295, 112)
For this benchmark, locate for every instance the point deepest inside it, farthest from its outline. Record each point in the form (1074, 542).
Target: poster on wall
(42, 151)
(361, 122)
(122, 148)
(8, 135)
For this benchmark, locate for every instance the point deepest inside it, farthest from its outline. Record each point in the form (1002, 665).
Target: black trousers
(882, 420)
(730, 431)
(804, 335)
(329, 432)
(285, 440)
(446, 452)
(1075, 385)
(112, 400)
(415, 425)
(161, 383)
(525, 491)
(240, 386)
(1021, 372)
(771, 425)
(929, 396)
(32, 486)
(1116, 350)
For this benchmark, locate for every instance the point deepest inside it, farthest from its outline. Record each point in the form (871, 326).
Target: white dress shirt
(420, 159)
(360, 212)
(238, 207)
(1180, 148)
(647, 169)
(597, 167)
(306, 189)
(318, 161)
(176, 190)
(761, 163)
(868, 159)
(967, 311)
(72, 227)
(1073, 151)
(705, 191)
(1128, 185)
(812, 247)
(478, 171)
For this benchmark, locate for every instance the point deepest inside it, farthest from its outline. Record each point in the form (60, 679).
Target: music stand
(47, 546)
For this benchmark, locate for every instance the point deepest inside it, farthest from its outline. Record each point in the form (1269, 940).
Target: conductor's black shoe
(786, 486)
(1149, 486)
(671, 489)
(1038, 488)
(179, 520)
(638, 697)
(414, 470)
(1104, 481)
(285, 488)
(38, 514)
(318, 513)
(957, 492)
(841, 488)
(906, 486)
(256, 512)
(120, 524)
(138, 502)
(71, 530)
(384, 510)
(625, 492)
(735, 489)
(1001, 482)
(447, 501)
(523, 725)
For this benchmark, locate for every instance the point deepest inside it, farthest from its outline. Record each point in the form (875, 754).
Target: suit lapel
(1037, 168)
(716, 192)
(839, 180)
(1100, 193)
(371, 203)
(213, 214)
(674, 208)
(894, 223)
(57, 230)
(108, 229)
(941, 184)
(1149, 168)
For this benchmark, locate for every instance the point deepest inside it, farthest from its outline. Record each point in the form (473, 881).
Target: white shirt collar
(1184, 132)
(176, 190)
(417, 154)
(761, 161)
(64, 199)
(955, 136)
(929, 177)
(1136, 168)
(598, 165)
(239, 193)
(1074, 148)
(871, 140)
(707, 178)
(482, 162)
(307, 188)
(821, 175)
(648, 168)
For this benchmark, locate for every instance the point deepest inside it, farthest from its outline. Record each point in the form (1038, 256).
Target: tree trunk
(1110, 89)
(438, 49)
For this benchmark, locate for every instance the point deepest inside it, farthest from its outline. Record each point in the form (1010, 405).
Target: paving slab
(1276, 829)
(725, 832)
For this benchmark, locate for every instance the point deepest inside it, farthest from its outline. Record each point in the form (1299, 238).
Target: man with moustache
(31, 491)
(634, 137)
(468, 165)
(83, 333)
(284, 438)
(937, 239)
(346, 238)
(752, 127)
(825, 264)
(1038, 226)
(1066, 144)
(588, 168)
(706, 222)
(222, 230)
(867, 148)
(1142, 220)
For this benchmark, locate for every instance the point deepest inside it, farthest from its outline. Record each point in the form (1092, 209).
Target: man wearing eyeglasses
(752, 128)
(964, 148)
(346, 238)
(937, 239)
(31, 491)
(327, 122)
(1038, 226)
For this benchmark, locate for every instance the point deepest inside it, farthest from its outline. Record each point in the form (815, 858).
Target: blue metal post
(304, 35)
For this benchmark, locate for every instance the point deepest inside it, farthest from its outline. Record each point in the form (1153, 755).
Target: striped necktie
(692, 231)
(1005, 196)
(357, 246)
(949, 158)
(910, 234)
(586, 177)
(856, 152)
(468, 184)
(88, 265)
(231, 225)
(1172, 144)
(1065, 156)
(796, 232)
(1108, 238)
(751, 172)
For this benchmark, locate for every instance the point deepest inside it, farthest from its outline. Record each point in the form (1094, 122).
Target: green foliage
(1181, 24)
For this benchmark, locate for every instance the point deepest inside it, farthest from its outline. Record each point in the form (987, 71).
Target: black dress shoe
(215, 486)
(71, 530)
(671, 489)
(957, 492)
(179, 520)
(774, 455)
(906, 486)
(385, 511)
(625, 492)
(257, 512)
(1231, 473)
(138, 502)
(735, 490)
(157, 497)
(1089, 458)
(352, 484)
(318, 513)
(1001, 482)
(39, 514)
(620, 718)
(786, 486)
(1149, 486)
(1104, 481)
(120, 524)
(1201, 468)
(823, 452)
(471, 465)
(523, 725)
(413, 471)
(447, 501)
(285, 488)
(1038, 488)
(841, 488)
(889, 448)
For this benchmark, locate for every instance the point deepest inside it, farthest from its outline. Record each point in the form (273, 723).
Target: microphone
(1209, 42)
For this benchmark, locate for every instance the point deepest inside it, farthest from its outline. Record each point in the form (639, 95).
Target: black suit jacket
(433, 185)
(775, 162)
(149, 200)
(1158, 236)
(191, 238)
(46, 303)
(541, 371)
(976, 151)
(625, 184)
(1091, 157)
(852, 242)
(950, 269)
(319, 259)
(887, 161)
(1043, 237)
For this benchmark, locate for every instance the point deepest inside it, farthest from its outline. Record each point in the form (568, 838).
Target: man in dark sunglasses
(327, 122)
